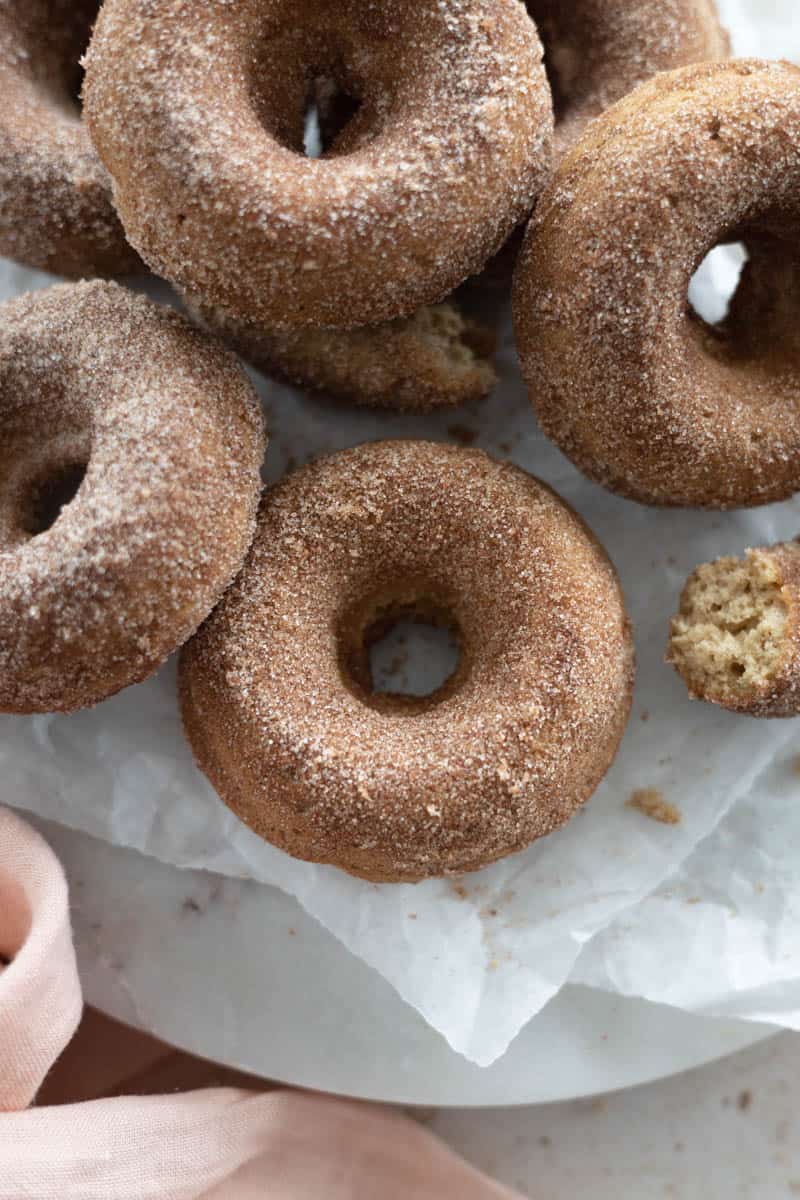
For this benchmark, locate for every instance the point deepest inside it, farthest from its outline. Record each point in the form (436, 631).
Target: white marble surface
(253, 982)
(730, 1131)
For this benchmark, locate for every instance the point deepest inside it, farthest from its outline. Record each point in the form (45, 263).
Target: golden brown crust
(392, 789)
(777, 695)
(197, 109)
(642, 396)
(437, 358)
(56, 211)
(160, 428)
(782, 699)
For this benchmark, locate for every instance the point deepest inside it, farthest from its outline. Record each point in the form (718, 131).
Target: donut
(197, 109)
(736, 638)
(129, 486)
(594, 55)
(56, 211)
(596, 52)
(276, 688)
(437, 358)
(640, 393)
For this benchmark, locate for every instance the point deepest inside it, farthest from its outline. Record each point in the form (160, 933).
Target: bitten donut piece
(641, 394)
(437, 358)
(130, 453)
(736, 639)
(276, 688)
(56, 211)
(596, 52)
(198, 110)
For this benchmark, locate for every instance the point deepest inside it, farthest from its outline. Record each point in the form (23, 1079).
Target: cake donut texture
(641, 394)
(437, 358)
(56, 211)
(736, 638)
(276, 688)
(197, 107)
(129, 483)
(597, 52)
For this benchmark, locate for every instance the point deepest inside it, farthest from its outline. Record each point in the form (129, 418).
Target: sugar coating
(273, 693)
(643, 396)
(171, 437)
(595, 55)
(736, 638)
(597, 52)
(437, 358)
(197, 108)
(56, 211)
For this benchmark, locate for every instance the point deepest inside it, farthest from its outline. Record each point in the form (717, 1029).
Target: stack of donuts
(596, 150)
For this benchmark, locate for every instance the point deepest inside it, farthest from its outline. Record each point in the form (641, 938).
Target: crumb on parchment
(651, 802)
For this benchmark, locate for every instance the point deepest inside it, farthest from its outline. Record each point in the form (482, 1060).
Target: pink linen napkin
(216, 1144)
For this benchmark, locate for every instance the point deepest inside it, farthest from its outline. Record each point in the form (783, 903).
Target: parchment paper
(479, 957)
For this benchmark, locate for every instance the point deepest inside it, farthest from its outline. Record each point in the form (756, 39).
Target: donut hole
(311, 110)
(716, 281)
(330, 109)
(412, 657)
(744, 302)
(48, 495)
(402, 651)
(312, 134)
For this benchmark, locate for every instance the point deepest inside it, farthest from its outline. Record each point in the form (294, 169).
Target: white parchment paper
(480, 956)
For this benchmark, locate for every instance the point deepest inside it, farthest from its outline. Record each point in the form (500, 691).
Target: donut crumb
(651, 803)
(728, 638)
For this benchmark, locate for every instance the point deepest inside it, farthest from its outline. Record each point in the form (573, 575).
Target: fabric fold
(213, 1144)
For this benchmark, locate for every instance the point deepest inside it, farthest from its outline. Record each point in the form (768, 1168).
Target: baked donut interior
(729, 635)
(460, 341)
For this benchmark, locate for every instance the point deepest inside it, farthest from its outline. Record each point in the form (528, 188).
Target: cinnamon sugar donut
(276, 688)
(596, 52)
(736, 638)
(198, 110)
(642, 395)
(437, 358)
(55, 196)
(129, 482)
